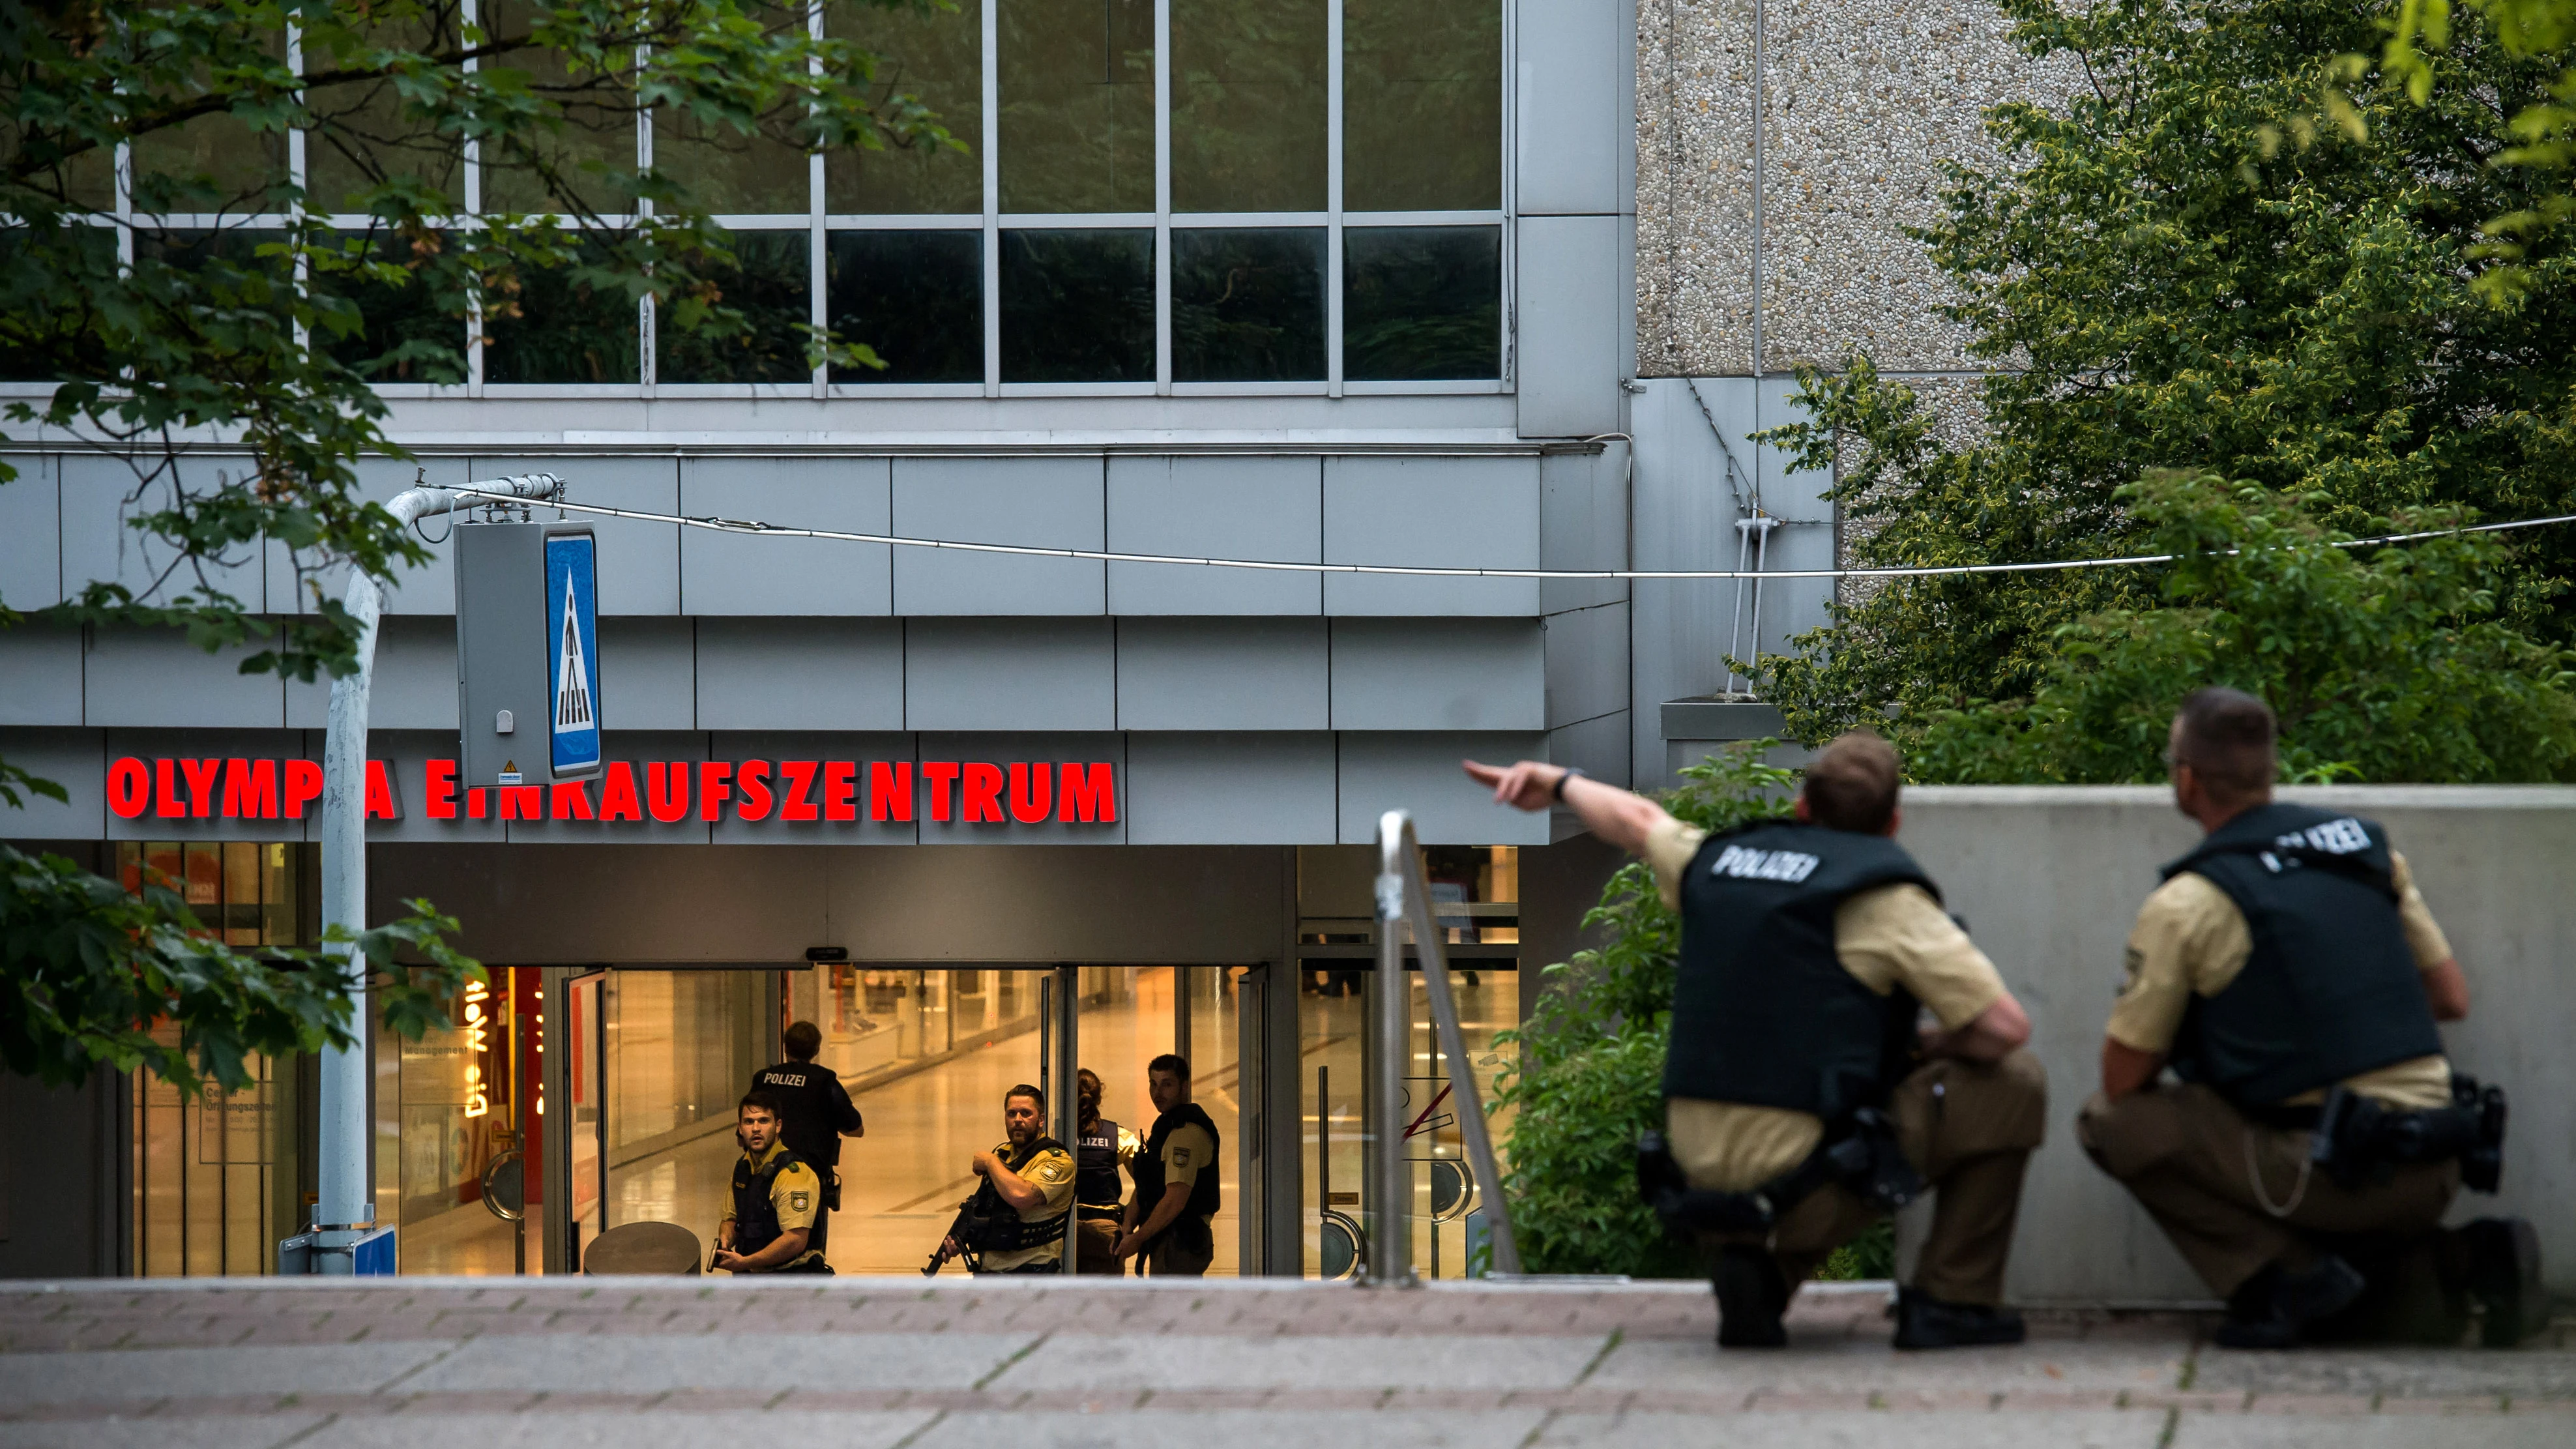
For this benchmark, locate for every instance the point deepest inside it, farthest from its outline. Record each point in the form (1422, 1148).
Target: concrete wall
(2050, 879)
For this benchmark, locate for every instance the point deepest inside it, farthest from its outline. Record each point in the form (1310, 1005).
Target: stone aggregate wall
(1861, 105)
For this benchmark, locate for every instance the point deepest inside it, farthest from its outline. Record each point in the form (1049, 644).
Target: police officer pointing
(818, 1113)
(2290, 973)
(1801, 1104)
(768, 1225)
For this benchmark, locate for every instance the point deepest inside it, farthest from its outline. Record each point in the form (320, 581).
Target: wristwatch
(1571, 772)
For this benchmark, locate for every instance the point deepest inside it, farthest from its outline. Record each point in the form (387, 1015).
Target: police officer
(819, 1114)
(1020, 1207)
(2287, 964)
(1099, 1206)
(768, 1226)
(1801, 1098)
(1176, 1180)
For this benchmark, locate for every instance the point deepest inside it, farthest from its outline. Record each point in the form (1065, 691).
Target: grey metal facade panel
(427, 589)
(578, 905)
(1587, 663)
(40, 674)
(1598, 746)
(638, 752)
(1420, 773)
(406, 753)
(1443, 512)
(31, 533)
(1439, 674)
(729, 573)
(1574, 64)
(639, 563)
(75, 759)
(1568, 304)
(98, 546)
(647, 672)
(143, 678)
(414, 686)
(1223, 674)
(1583, 524)
(1199, 905)
(775, 747)
(206, 747)
(1231, 789)
(1270, 509)
(799, 674)
(1020, 793)
(1048, 502)
(1010, 674)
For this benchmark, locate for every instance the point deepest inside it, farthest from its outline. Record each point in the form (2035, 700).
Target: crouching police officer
(2290, 973)
(1016, 1221)
(775, 1199)
(1796, 1110)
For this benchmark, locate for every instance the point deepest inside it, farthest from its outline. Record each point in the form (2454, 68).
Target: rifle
(962, 1231)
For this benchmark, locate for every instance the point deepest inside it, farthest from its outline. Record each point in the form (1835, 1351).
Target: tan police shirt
(1051, 1173)
(795, 1195)
(1887, 936)
(2191, 940)
(1188, 1152)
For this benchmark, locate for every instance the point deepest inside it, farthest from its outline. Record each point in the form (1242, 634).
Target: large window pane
(917, 297)
(1077, 85)
(935, 56)
(571, 327)
(51, 339)
(1422, 303)
(769, 284)
(405, 332)
(212, 163)
(364, 140)
(591, 154)
(1078, 306)
(1248, 104)
(1247, 305)
(1422, 105)
(726, 171)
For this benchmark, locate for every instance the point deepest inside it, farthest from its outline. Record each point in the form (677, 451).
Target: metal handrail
(1404, 896)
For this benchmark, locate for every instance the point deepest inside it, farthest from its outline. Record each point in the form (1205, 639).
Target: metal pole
(1401, 890)
(345, 1209)
(1389, 1185)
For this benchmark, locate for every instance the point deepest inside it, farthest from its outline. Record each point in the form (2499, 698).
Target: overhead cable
(1094, 555)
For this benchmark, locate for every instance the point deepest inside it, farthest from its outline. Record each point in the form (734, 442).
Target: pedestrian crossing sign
(572, 677)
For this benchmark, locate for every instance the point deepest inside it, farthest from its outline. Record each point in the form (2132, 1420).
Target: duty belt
(2358, 1141)
(1863, 1156)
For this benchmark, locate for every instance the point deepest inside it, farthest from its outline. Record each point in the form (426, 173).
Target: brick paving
(914, 1366)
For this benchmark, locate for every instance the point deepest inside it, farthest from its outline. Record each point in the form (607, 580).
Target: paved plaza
(1214, 1365)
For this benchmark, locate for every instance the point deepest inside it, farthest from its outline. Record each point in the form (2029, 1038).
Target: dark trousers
(1969, 1128)
(2234, 1196)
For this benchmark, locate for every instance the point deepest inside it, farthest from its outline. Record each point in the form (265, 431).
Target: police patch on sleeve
(799, 1200)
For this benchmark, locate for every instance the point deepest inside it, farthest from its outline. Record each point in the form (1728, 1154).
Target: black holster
(2359, 1141)
(1862, 1156)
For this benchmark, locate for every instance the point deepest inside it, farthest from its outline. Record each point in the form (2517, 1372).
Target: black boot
(2504, 1276)
(1751, 1296)
(2273, 1308)
(1923, 1321)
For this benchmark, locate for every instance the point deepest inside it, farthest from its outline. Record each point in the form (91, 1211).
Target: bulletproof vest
(2331, 989)
(1763, 1012)
(804, 1093)
(999, 1228)
(1095, 1166)
(1148, 1167)
(755, 1217)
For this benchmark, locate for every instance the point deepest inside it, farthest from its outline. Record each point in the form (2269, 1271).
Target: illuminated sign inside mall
(969, 792)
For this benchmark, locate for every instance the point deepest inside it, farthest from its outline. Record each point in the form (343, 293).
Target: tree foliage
(2165, 278)
(164, 320)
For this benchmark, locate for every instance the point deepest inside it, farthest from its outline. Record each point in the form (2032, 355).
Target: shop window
(573, 325)
(770, 284)
(936, 57)
(1248, 305)
(1249, 106)
(1422, 303)
(917, 297)
(1078, 306)
(1077, 87)
(1422, 105)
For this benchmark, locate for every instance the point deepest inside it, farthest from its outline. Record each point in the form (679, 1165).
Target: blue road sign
(572, 678)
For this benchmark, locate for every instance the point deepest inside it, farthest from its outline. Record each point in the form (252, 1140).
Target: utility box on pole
(527, 653)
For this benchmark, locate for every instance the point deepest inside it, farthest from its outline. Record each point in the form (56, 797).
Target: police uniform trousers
(1969, 1128)
(1185, 1250)
(1095, 1242)
(2234, 1195)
